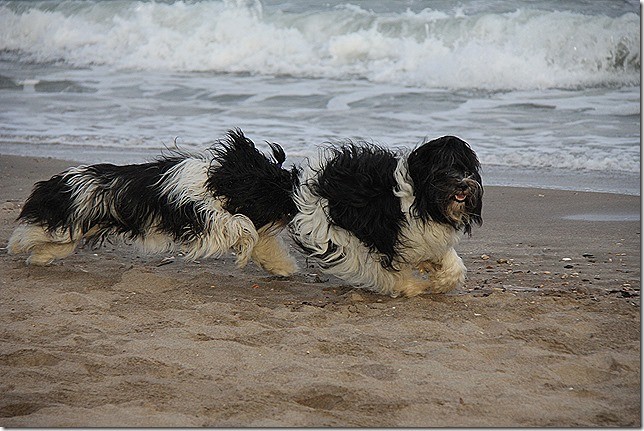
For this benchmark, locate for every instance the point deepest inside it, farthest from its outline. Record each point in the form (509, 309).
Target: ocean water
(546, 92)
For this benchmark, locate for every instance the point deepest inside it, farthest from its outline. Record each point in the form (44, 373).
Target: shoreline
(626, 183)
(545, 332)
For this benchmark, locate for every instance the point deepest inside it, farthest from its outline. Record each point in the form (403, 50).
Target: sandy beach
(545, 333)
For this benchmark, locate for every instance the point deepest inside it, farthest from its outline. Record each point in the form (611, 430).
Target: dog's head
(447, 183)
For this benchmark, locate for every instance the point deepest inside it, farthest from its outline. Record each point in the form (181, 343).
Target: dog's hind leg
(44, 246)
(44, 254)
(272, 255)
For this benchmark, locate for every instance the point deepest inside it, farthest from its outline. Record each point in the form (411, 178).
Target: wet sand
(546, 331)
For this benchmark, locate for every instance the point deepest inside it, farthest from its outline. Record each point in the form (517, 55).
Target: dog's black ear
(424, 168)
(278, 153)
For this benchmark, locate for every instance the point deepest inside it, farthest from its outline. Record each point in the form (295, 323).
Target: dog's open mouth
(460, 197)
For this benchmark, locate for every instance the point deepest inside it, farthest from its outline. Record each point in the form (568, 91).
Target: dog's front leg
(409, 285)
(446, 273)
(271, 253)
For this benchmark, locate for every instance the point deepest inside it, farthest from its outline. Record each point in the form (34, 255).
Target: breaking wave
(519, 49)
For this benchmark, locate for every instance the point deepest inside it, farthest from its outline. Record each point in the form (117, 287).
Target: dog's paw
(39, 260)
(429, 266)
(410, 287)
(282, 268)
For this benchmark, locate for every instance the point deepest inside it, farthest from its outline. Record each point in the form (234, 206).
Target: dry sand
(546, 331)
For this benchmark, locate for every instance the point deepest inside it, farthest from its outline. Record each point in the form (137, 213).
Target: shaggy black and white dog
(232, 197)
(373, 217)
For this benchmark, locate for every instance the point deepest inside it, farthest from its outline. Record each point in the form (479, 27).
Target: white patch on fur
(186, 182)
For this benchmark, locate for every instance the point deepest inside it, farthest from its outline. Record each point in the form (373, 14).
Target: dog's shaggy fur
(232, 197)
(372, 216)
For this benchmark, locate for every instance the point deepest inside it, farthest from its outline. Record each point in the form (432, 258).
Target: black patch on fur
(49, 204)
(252, 184)
(437, 169)
(358, 182)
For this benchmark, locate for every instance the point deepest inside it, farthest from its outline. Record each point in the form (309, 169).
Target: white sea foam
(521, 49)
